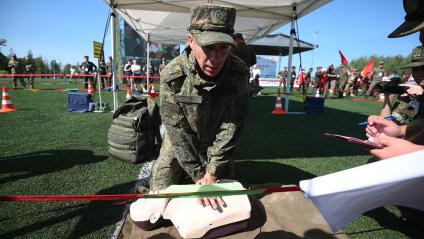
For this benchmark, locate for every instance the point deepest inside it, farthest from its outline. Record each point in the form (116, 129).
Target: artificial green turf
(46, 150)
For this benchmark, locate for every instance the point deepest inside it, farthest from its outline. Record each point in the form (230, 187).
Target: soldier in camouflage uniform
(343, 77)
(30, 69)
(282, 75)
(15, 68)
(377, 77)
(350, 84)
(204, 97)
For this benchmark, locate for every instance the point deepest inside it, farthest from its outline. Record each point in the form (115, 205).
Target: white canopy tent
(166, 21)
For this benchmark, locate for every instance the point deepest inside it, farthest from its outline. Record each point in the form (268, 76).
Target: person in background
(15, 68)
(136, 73)
(282, 75)
(30, 69)
(343, 77)
(88, 68)
(148, 69)
(293, 78)
(109, 71)
(162, 65)
(302, 81)
(317, 81)
(102, 71)
(127, 72)
(349, 89)
(332, 81)
(377, 77)
(72, 73)
(256, 71)
(203, 119)
(309, 80)
(243, 51)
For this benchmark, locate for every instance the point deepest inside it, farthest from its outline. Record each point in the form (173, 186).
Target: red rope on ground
(122, 197)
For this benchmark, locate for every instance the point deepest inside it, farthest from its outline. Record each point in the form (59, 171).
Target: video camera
(391, 86)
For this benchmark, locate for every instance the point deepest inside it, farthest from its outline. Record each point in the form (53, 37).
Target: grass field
(46, 150)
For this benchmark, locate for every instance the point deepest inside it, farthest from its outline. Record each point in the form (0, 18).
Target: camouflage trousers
(168, 171)
(15, 81)
(372, 86)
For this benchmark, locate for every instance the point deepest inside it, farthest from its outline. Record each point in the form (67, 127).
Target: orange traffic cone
(317, 93)
(90, 90)
(128, 96)
(278, 105)
(7, 105)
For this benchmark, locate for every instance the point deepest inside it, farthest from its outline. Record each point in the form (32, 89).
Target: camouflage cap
(414, 19)
(213, 24)
(417, 58)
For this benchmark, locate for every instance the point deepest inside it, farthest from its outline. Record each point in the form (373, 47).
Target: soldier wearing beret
(204, 96)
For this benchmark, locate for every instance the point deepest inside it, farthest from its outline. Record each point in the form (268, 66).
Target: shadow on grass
(44, 162)
(92, 217)
(263, 172)
(267, 136)
(389, 220)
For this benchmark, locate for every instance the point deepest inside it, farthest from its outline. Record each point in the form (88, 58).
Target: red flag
(369, 68)
(344, 60)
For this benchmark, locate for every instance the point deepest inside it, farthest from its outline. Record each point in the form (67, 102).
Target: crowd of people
(332, 82)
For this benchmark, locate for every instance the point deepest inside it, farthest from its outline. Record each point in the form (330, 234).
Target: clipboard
(366, 143)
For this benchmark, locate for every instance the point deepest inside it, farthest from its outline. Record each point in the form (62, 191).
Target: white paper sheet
(345, 195)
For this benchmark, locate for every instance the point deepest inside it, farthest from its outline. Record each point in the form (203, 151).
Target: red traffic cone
(278, 105)
(7, 105)
(128, 96)
(90, 90)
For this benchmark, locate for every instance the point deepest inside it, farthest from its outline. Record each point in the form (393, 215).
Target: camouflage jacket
(203, 118)
(14, 66)
(378, 74)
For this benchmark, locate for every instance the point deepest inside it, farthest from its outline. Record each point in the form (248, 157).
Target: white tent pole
(114, 54)
(289, 64)
(148, 62)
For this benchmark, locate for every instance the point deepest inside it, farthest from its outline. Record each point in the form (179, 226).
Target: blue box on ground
(314, 105)
(78, 102)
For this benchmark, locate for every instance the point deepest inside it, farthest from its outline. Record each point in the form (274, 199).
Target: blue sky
(64, 30)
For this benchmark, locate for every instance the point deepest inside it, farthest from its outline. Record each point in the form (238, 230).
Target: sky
(64, 30)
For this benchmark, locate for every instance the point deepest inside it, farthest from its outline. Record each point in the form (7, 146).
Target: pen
(387, 118)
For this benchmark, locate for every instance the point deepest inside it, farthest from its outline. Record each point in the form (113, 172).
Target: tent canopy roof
(166, 21)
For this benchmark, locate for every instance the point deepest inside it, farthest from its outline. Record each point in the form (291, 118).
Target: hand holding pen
(387, 118)
(378, 127)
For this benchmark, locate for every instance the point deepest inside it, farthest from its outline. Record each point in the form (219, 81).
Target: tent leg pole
(289, 64)
(114, 54)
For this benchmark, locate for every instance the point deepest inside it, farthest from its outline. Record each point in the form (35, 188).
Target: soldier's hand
(214, 202)
(413, 90)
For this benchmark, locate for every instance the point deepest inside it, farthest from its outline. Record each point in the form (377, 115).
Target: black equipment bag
(134, 135)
